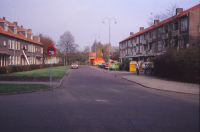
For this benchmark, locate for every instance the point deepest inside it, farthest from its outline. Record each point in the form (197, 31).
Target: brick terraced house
(19, 46)
(179, 31)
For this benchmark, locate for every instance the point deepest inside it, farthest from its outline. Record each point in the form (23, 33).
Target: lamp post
(95, 45)
(89, 54)
(109, 38)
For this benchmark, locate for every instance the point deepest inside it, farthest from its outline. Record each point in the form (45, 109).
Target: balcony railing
(134, 44)
(134, 53)
(144, 52)
(144, 42)
(150, 40)
(175, 33)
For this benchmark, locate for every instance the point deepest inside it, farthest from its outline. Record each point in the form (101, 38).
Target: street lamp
(95, 45)
(109, 38)
(89, 54)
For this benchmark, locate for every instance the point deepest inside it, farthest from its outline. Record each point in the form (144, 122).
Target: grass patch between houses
(6, 88)
(57, 72)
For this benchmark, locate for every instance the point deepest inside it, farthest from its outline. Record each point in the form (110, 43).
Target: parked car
(114, 66)
(108, 64)
(74, 65)
(147, 65)
(99, 65)
(102, 65)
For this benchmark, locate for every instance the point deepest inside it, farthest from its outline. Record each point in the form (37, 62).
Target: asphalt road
(90, 100)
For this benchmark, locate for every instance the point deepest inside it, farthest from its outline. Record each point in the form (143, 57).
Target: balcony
(150, 40)
(165, 36)
(144, 42)
(134, 53)
(175, 33)
(134, 44)
(144, 52)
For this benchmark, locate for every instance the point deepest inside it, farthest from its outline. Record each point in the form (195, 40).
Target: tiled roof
(18, 35)
(165, 21)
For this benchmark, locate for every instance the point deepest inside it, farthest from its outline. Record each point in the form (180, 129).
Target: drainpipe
(14, 50)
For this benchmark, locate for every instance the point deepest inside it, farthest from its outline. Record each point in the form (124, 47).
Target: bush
(179, 64)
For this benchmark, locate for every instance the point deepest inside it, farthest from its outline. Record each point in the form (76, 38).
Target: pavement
(153, 82)
(147, 81)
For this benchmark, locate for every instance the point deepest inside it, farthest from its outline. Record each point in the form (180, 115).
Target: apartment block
(179, 31)
(18, 46)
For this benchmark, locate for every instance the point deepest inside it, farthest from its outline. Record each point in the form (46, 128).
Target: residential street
(90, 100)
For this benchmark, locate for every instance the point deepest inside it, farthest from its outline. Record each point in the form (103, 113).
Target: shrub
(179, 64)
(126, 62)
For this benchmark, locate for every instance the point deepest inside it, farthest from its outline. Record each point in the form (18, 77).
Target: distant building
(18, 46)
(179, 31)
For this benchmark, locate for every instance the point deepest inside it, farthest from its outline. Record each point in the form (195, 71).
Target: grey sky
(84, 17)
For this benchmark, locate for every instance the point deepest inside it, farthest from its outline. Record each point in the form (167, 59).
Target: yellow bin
(132, 66)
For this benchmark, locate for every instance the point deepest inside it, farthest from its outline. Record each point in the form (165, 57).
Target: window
(41, 50)
(141, 38)
(137, 40)
(5, 26)
(4, 43)
(154, 46)
(9, 44)
(15, 30)
(141, 48)
(13, 44)
(18, 45)
(176, 25)
(137, 49)
(160, 45)
(184, 24)
(154, 34)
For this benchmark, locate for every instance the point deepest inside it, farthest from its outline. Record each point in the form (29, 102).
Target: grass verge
(6, 88)
(57, 72)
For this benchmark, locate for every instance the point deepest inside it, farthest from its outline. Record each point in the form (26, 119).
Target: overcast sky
(83, 18)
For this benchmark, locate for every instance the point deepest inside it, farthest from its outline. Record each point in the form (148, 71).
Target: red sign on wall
(51, 50)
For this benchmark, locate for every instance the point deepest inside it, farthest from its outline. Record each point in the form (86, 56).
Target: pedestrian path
(157, 83)
(161, 84)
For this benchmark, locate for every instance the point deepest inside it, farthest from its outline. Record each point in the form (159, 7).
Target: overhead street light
(109, 38)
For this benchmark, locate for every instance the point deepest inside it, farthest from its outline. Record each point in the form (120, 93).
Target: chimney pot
(131, 33)
(30, 30)
(141, 28)
(179, 10)
(15, 23)
(4, 18)
(22, 26)
(156, 22)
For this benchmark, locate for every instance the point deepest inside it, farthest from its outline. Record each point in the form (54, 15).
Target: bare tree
(67, 44)
(170, 12)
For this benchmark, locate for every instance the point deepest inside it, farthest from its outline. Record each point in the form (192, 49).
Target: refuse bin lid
(133, 62)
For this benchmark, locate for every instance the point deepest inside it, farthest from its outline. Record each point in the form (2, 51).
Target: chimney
(30, 30)
(131, 33)
(15, 23)
(4, 18)
(141, 28)
(156, 22)
(179, 10)
(22, 26)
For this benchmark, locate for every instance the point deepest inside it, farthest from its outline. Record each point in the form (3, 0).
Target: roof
(165, 21)
(19, 34)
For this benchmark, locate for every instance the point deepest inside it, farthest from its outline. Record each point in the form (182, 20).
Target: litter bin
(132, 66)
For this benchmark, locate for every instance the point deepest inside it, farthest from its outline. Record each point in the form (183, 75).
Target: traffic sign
(51, 50)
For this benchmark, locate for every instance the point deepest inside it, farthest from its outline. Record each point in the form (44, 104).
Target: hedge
(179, 64)
(16, 68)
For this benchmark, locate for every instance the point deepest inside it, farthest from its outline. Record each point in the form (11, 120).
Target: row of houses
(179, 31)
(18, 46)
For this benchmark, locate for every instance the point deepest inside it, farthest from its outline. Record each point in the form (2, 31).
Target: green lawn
(6, 88)
(57, 72)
